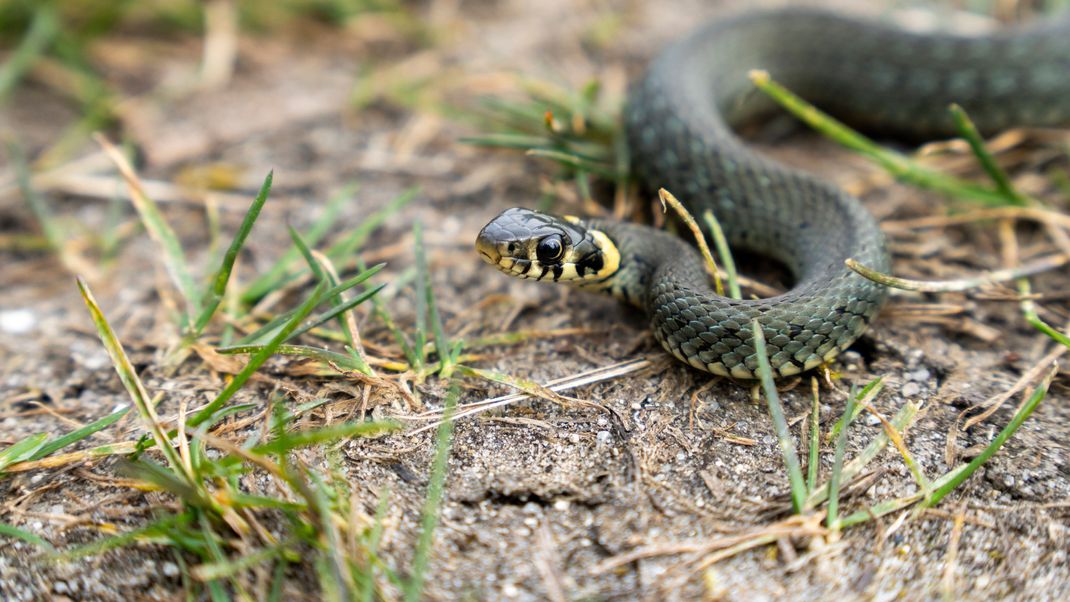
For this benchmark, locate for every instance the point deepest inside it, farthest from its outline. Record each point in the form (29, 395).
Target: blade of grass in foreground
(78, 435)
(837, 463)
(13, 531)
(1019, 417)
(21, 450)
(131, 381)
(787, 442)
(432, 504)
(814, 460)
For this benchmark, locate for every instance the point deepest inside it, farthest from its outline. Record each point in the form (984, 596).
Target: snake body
(679, 121)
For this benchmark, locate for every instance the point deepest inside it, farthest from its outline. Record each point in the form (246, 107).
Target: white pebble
(17, 321)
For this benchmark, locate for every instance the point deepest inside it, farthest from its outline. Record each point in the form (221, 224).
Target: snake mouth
(487, 248)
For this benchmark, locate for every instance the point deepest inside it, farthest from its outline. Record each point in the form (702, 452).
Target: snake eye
(549, 249)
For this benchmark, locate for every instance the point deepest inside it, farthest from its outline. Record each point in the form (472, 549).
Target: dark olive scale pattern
(679, 122)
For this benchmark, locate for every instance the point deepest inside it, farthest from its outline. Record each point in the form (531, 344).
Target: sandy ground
(542, 499)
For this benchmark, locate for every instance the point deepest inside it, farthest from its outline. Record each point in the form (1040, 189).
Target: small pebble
(872, 420)
(603, 437)
(170, 569)
(911, 389)
(17, 321)
(921, 375)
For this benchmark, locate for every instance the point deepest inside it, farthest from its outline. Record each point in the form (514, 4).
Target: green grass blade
(1029, 310)
(833, 520)
(78, 435)
(776, 412)
(447, 352)
(329, 315)
(725, 253)
(969, 132)
(21, 450)
(815, 439)
(278, 321)
(231, 568)
(865, 396)
(340, 303)
(49, 226)
(573, 160)
(347, 248)
(903, 419)
(214, 295)
(259, 358)
(279, 271)
(42, 32)
(165, 527)
(1019, 417)
(897, 164)
(433, 502)
(7, 530)
(374, 538)
(323, 355)
(289, 441)
(423, 285)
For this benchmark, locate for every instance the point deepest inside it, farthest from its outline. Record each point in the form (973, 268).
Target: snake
(680, 121)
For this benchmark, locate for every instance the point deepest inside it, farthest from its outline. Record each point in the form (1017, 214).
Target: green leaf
(13, 531)
(214, 295)
(22, 450)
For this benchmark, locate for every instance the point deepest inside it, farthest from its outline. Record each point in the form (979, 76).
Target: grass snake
(679, 121)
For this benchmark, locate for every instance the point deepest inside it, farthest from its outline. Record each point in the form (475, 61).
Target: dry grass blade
(667, 198)
(722, 547)
(134, 387)
(992, 404)
(556, 386)
(1032, 268)
(1036, 214)
(157, 227)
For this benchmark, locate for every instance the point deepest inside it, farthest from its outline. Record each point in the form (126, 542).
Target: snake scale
(679, 121)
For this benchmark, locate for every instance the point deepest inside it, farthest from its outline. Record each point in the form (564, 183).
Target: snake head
(528, 244)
